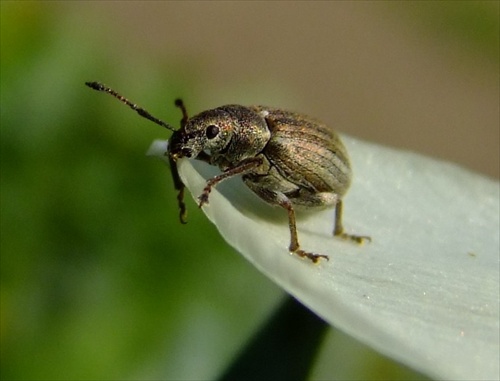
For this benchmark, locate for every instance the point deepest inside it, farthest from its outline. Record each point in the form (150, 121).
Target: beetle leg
(294, 247)
(338, 230)
(179, 186)
(242, 168)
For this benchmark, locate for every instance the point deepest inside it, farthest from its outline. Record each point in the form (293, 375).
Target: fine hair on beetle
(288, 159)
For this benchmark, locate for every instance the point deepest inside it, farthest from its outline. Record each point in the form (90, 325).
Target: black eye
(212, 131)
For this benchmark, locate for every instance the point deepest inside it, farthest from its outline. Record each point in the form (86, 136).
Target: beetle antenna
(179, 103)
(100, 87)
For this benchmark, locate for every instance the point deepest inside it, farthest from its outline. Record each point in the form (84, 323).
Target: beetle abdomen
(306, 152)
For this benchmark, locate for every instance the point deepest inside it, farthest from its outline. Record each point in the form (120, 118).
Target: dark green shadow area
(285, 348)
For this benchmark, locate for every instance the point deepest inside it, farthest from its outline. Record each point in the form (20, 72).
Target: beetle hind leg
(338, 230)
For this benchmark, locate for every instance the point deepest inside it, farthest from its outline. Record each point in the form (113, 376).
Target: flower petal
(424, 292)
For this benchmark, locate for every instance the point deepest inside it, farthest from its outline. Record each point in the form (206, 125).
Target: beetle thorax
(250, 134)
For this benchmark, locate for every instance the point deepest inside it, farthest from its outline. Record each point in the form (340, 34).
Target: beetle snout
(186, 152)
(180, 153)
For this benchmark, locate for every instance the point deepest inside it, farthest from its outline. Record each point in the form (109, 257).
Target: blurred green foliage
(98, 278)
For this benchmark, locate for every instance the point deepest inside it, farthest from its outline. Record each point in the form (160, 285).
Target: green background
(98, 278)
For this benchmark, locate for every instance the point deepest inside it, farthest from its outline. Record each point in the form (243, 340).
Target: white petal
(425, 291)
(158, 148)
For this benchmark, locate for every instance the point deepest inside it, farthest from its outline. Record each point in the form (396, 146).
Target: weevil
(288, 159)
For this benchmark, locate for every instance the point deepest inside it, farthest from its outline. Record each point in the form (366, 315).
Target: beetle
(288, 159)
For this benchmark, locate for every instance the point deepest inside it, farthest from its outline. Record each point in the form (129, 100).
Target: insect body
(287, 159)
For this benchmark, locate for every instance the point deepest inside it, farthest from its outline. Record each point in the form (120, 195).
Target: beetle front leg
(179, 186)
(338, 230)
(242, 168)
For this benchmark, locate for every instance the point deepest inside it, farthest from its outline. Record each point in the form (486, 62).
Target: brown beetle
(287, 159)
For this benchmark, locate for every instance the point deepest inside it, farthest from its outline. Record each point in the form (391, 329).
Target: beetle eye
(212, 131)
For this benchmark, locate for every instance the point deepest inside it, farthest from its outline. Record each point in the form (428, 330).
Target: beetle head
(209, 131)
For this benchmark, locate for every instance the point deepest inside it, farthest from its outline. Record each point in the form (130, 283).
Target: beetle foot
(203, 199)
(359, 239)
(313, 257)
